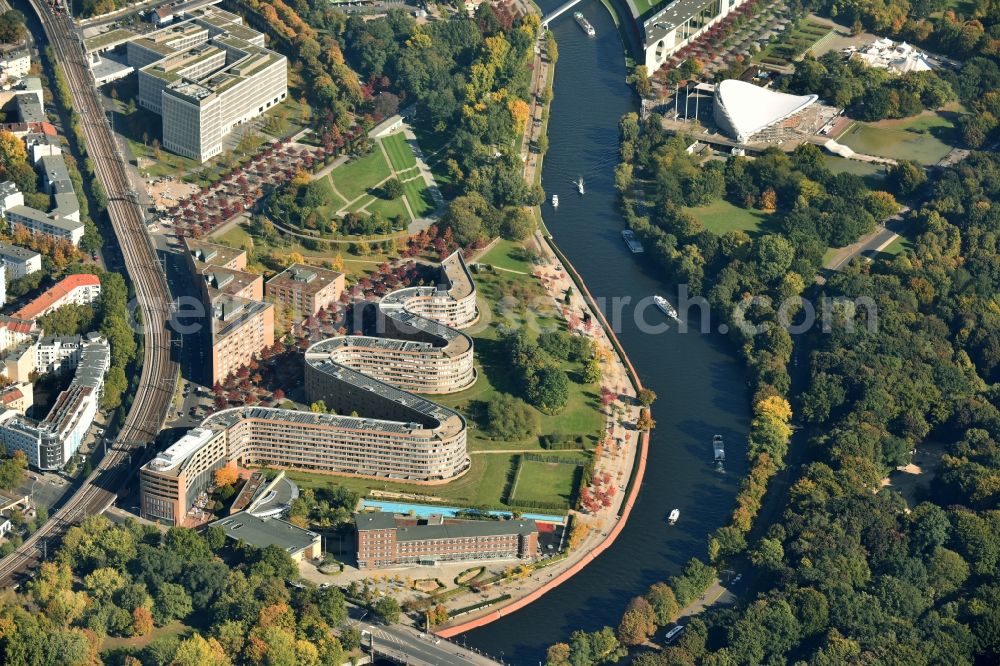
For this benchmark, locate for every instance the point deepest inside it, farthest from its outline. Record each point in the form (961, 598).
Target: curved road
(158, 372)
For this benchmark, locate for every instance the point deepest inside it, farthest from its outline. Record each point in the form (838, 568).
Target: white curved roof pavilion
(743, 109)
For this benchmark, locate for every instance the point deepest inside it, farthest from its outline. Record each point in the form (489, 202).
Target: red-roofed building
(81, 289)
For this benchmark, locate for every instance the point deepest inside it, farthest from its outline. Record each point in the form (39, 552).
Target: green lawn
(898, 246)
(508, 254)
(482, 485)
(925, 139)
(400, 154)
(419, 196)
(721, 216)
(547, 481)
(389, 209)
(236, 236)
(360, 175)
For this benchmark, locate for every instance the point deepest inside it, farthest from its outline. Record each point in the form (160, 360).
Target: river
(700, 382)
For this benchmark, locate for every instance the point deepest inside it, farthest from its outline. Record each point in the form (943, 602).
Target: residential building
(305, 290)
(38, 222)
(170, 482)
(18, 261)
(242, 323)
(15, 63)
(300, 544)
(385, 541)
(17, 397)
(3, 283)
(399, 435)
(15, 331)
(78, 289)
(163, 15)
(55, 353)
(29, 108)
(19, 362)
(51, 442)
(10, 196)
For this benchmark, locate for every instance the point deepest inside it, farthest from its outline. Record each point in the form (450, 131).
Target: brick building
(386, 541)
(305, 290)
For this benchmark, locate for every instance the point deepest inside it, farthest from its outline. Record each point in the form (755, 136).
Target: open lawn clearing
(721, 216)
(326, 185)
(175, 628)
(389, 209)
(419, 196)
(547, 481)
(235, 236)
(923, 139)
(482, 485)
(508, 254)
(400, 153)
(360, 175)
(898, 246)
(872, 173)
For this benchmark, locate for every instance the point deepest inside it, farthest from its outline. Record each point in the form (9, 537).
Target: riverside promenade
(625, 460)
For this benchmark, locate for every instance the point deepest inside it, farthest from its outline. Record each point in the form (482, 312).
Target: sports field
(547, 481)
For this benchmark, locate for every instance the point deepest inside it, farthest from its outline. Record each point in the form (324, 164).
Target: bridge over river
(559, 11)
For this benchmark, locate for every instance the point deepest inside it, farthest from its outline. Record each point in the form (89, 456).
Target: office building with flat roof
(300, 544)
(386, 541)
(205, 76)
(171, 481)
(242, 323)
(678, 24)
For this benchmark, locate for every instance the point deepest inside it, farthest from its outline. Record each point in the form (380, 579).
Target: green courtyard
(490, 479)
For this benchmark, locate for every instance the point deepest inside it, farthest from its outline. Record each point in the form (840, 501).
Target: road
(869, 243)
(409, 646)
(151, 400)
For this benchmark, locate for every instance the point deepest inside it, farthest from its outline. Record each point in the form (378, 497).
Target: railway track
(158, 376)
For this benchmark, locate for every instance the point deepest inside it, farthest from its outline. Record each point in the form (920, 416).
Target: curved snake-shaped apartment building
(395, 434)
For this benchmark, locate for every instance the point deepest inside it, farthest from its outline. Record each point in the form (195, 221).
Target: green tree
(509, 418)
(170, 602)
(548, 389)
(665, 607)
(387, 609)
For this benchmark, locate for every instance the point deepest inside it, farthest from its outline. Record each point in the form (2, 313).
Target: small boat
(555, 201)
(584, 23)
(633, 242)
(674, 515)
(579, 186)
(667, 308)
(719, 448)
